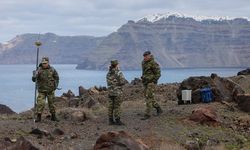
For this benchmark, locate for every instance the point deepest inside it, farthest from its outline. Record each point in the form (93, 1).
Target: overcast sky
(100, 17)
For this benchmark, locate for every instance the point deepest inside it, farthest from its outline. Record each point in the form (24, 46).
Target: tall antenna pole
(38, 44)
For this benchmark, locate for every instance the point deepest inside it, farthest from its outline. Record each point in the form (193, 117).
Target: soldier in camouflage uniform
(150, 74)
(47, 81)
(115, 81)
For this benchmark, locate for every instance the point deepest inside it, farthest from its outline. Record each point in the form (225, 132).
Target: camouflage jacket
(47, 79)
(151, 71)
(115, 81)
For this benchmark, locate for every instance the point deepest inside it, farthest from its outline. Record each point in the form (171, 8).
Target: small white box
(186, 95)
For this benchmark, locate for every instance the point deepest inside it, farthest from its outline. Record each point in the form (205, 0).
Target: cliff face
(177, 42)
(61, 49)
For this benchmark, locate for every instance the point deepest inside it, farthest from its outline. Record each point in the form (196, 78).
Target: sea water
(17, 88)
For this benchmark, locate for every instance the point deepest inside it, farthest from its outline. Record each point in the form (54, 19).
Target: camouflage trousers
(114, 108)
(41, 100)
(149, 93)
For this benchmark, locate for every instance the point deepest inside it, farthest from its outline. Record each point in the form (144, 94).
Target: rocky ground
(83, 119)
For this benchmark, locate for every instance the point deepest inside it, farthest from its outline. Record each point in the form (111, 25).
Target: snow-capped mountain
(176, 40)
(156, 17)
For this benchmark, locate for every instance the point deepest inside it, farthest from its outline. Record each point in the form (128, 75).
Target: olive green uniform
(47, 82)
(115, 81)
(150, 74)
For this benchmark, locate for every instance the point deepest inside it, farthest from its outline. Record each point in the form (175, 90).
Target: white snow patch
(156, 17)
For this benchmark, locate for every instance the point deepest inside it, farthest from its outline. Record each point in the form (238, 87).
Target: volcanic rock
(21, 144)
(204, 115)
(73, 114)
(244, 102)
(244, 72)
(118, 140)
(69, 94)
(223, 89)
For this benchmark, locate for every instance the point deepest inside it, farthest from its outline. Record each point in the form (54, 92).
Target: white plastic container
(186, 96)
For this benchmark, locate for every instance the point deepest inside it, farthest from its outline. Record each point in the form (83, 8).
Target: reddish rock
(118, 140)
(204, 115)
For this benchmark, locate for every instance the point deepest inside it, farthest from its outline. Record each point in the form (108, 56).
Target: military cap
(114, 62)
(146, 53)
(45, 60)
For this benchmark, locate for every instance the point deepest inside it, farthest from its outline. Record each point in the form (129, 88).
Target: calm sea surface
(17, 89)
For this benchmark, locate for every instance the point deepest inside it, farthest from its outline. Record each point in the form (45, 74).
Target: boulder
(118, 140)
(228, 88)
(82, 91)
(136, 81)
(192, 145)
(223, 89)
(4, 143)
(243, 81)
(90, 103)
(204, 115)
(69, 94)
(243, 101)
(244, 72)
(73, 135)
(39, 132)
(74, 102)
(20, 144)
(58, 131)
(101, 88)
(61, 102)
(72, 114)
(23, 144)
(94, 90)
(196, 96)
(194, 84)
(6, 110)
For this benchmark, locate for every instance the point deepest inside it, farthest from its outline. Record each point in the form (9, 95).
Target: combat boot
(54, 118)
(38, 118)
(145, 117)
(158, 111)
(111, 121)
(118, 122)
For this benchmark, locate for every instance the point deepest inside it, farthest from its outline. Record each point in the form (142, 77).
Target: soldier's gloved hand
(35, 72)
